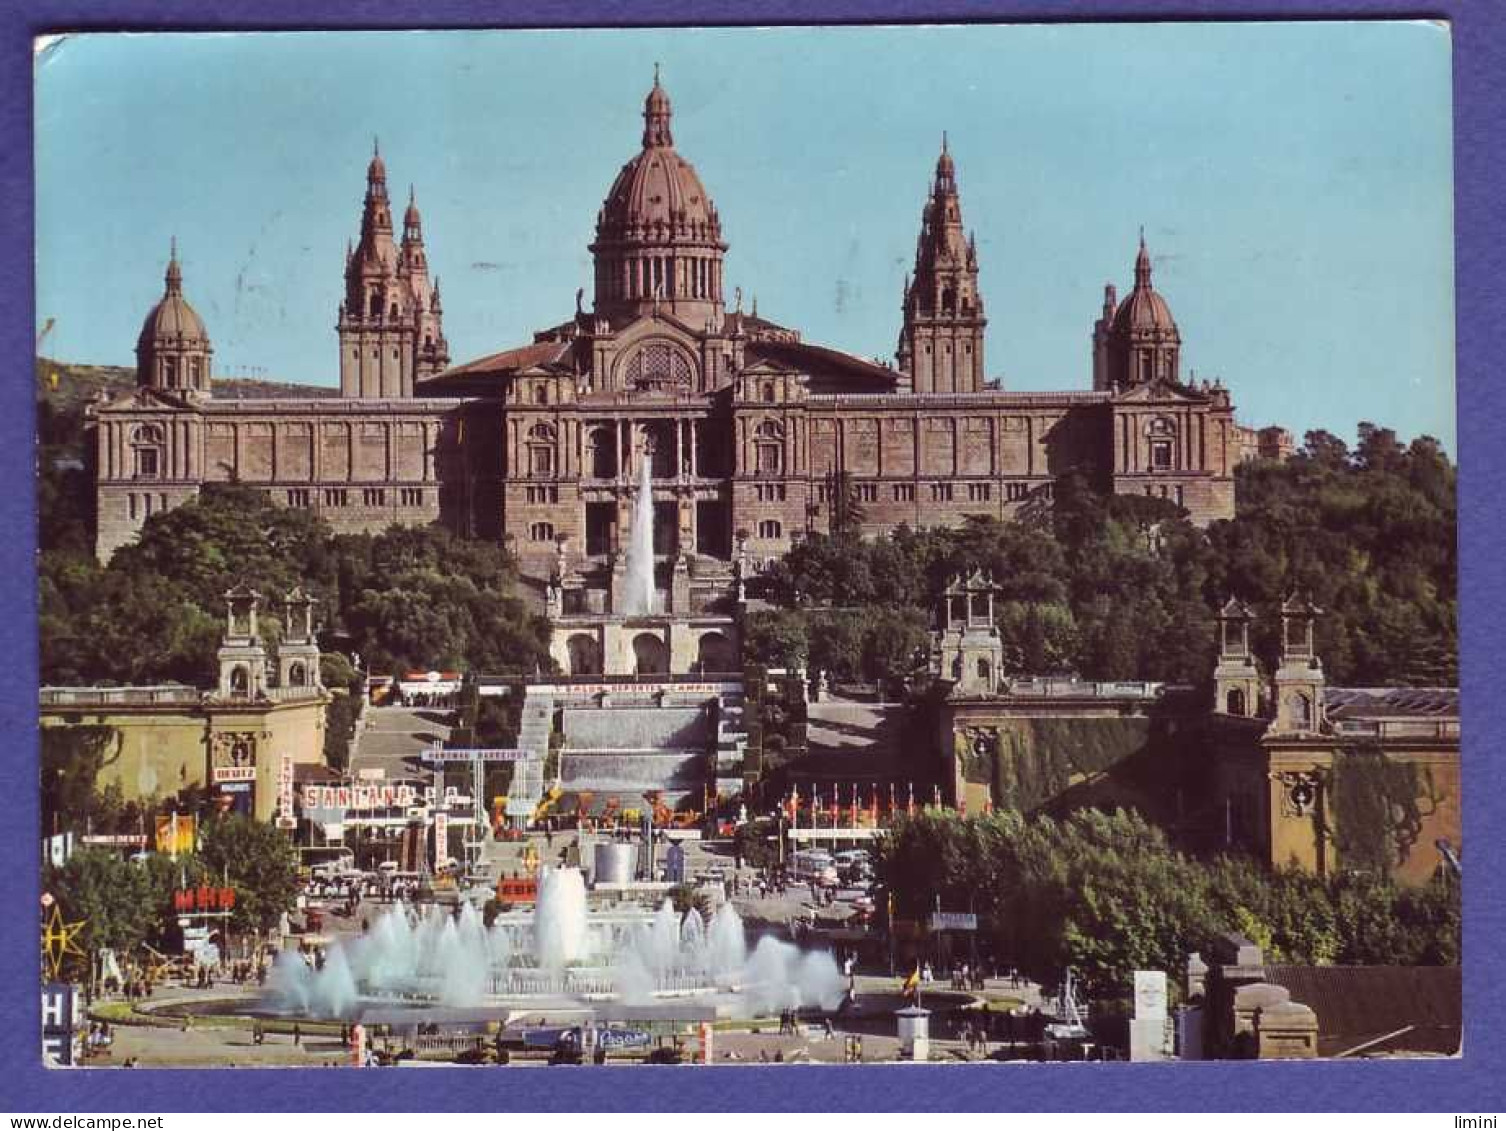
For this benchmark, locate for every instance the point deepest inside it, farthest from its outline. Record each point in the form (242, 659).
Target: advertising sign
(441, 838)
(62, 1010)
(285, 788)
(222, 774)
(440, 754)
(175, 833)
(953, 921)
(358, 797)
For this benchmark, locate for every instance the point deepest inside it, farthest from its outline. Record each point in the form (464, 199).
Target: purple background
(1471, 1083)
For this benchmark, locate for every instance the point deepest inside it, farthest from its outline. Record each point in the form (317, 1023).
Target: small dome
(1143, 310)
(173, 321)
(657, 102)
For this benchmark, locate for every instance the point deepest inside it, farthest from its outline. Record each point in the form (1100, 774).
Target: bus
(326, 861)
(815, 865)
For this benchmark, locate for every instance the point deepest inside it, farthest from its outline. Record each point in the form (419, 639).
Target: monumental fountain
(617, 961)
(639, 592)
(611, 616)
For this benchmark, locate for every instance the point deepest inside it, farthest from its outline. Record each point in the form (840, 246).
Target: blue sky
(1293, 181)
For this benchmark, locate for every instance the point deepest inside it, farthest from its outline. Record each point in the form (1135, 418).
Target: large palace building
(746, 426)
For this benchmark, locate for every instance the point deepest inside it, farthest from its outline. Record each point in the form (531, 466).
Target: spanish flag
(912, 984)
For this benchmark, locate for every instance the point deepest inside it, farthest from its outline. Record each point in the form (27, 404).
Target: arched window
(147, 451)
(650, 655)
(985, 669)
(601, 450)
(1301, 711)
(1234, 702)
(715, 654)
(658, 366)
(1162, 434)
(240, 680)
(376, 304)
(768, 392)
(541, 393)
(585, 654)
(297, 674)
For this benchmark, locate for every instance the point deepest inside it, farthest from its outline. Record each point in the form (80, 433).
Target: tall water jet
(638, 579)
(559, 923)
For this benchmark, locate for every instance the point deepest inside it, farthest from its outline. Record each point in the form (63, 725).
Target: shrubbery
(1107, 894)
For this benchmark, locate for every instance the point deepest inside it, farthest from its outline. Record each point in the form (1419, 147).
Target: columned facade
(749, 428)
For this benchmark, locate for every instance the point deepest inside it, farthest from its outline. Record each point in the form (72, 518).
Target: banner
(441, 839)
(358, 797)
(440, 754)
(176, 833)
(953, 921)
(285, 789)
(62, 1012)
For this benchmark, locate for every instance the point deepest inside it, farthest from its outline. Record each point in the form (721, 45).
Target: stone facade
(1262, 772)
(744, 422)
(176, 737)
(231, 740)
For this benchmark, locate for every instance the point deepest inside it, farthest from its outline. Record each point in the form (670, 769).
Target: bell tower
(242, 654)
(298, 651)
(941, 343)
(1236, 678)
(390, 322)
(968, 644)
(1299, 681)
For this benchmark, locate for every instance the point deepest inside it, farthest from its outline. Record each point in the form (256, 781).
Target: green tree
(118, 902)
(258, 861)
(72, 758)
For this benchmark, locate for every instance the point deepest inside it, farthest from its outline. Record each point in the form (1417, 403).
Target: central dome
(658, 194)
(658, 235)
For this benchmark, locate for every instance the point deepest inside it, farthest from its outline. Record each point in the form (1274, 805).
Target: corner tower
(658, 236)
(172, 351)
(389, 324)
(941, 344)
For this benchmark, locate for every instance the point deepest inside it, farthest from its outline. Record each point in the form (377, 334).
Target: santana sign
(359, 796)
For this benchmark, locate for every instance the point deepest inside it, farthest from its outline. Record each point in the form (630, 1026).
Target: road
(393, 738)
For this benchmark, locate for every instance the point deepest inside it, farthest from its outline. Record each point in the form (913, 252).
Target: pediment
(658, 325)
(1160, 392)
(142, 398)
